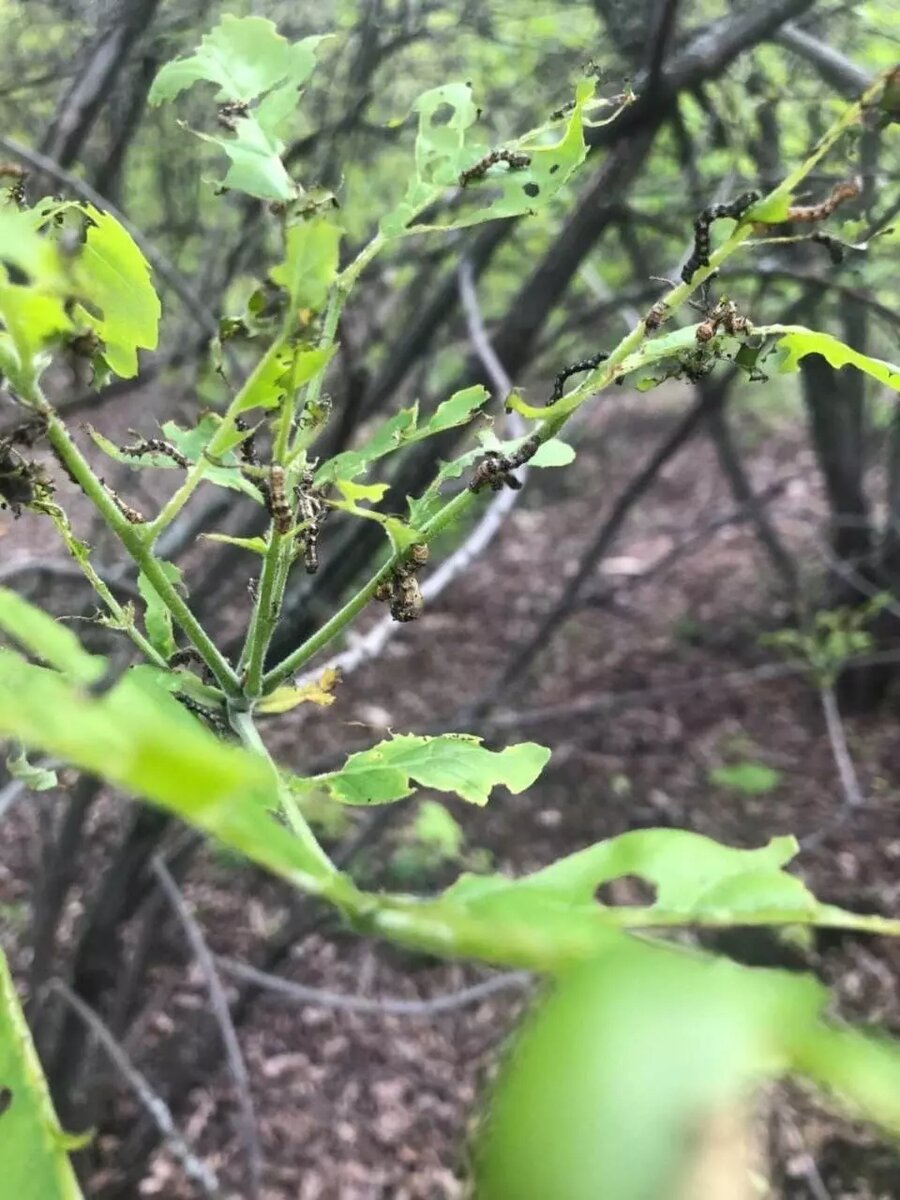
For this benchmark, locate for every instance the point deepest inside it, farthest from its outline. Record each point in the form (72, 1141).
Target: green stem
(138, 546)
(216, 447)
(321, 865)
(123, 619)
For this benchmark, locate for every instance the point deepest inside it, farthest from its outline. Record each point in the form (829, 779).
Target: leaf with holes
(444, 152)
(259, 73)
(449, 763)
(119, 302)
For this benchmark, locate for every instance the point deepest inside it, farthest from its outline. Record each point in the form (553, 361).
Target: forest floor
(640, 701)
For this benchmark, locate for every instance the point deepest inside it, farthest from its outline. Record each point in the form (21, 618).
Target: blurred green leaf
(751, 778)
(32, 1145)
(47, 639)
(37, 779)
(605, 1092)
(796, 342)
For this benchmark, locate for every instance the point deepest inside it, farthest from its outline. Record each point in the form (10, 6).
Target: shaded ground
(360, 1107)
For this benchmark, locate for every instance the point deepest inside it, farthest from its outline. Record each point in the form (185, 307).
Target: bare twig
(194, 1168)
(382, 1006)
(853, 797)
(222, 1013)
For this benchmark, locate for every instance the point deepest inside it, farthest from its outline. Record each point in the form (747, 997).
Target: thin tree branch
(382, 1006)
(853, 797)
(222, 1013)
(194, 1168)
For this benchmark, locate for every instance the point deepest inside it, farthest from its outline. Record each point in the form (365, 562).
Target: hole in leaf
(443, 114)
(531, 189)
(626, 891)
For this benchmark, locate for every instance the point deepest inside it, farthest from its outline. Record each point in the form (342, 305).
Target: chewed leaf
(258, 73)
(36, 779)
(402, 429)
(797, 342)
(310, 264)
(225, 470)
(245, 56)
(519, 179)
(114, 278)
(321, 692)
(449, 763)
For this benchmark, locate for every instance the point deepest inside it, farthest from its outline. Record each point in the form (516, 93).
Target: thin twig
(222, 1013)
(384, 1005)
(194, 1168)
(853, 797)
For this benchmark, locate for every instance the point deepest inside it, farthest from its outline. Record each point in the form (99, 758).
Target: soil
(640, 699)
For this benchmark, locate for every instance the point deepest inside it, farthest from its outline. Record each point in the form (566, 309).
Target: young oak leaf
(450, 762)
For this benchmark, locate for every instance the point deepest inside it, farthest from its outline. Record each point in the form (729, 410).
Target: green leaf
(310, 264)
(226, 470)
(32, 1145)
(114, 277)
(45, 638)
(402, 429)
(624, 1064)
(863, 1071)
(437, 828)
(257, 545)
(443, 152)
(245, 56)
(448, 763)
(798, 341)
(751, 778)
(253, 65)
(157, 617)
(137, 736)
(37, 779)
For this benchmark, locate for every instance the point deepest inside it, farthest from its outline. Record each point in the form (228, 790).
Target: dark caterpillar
(229, 112)
(155, 446)
(401, 588)
(132, 515)
(514, 160)
(583, 364)
(312, 513)
(17, 177)
(734, 209)
(495, 469)
(724, 316)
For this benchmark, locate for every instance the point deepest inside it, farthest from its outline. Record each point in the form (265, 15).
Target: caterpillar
(401, 588)
(494, 469)
(848, 190)
(16, 187)
(734, 209)
(656, 316)
(155, 446)
(514, 160)
(132, 515)
(276, 501)
(229, 112)
(575, 368)
(312, 512)
(725, 316)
